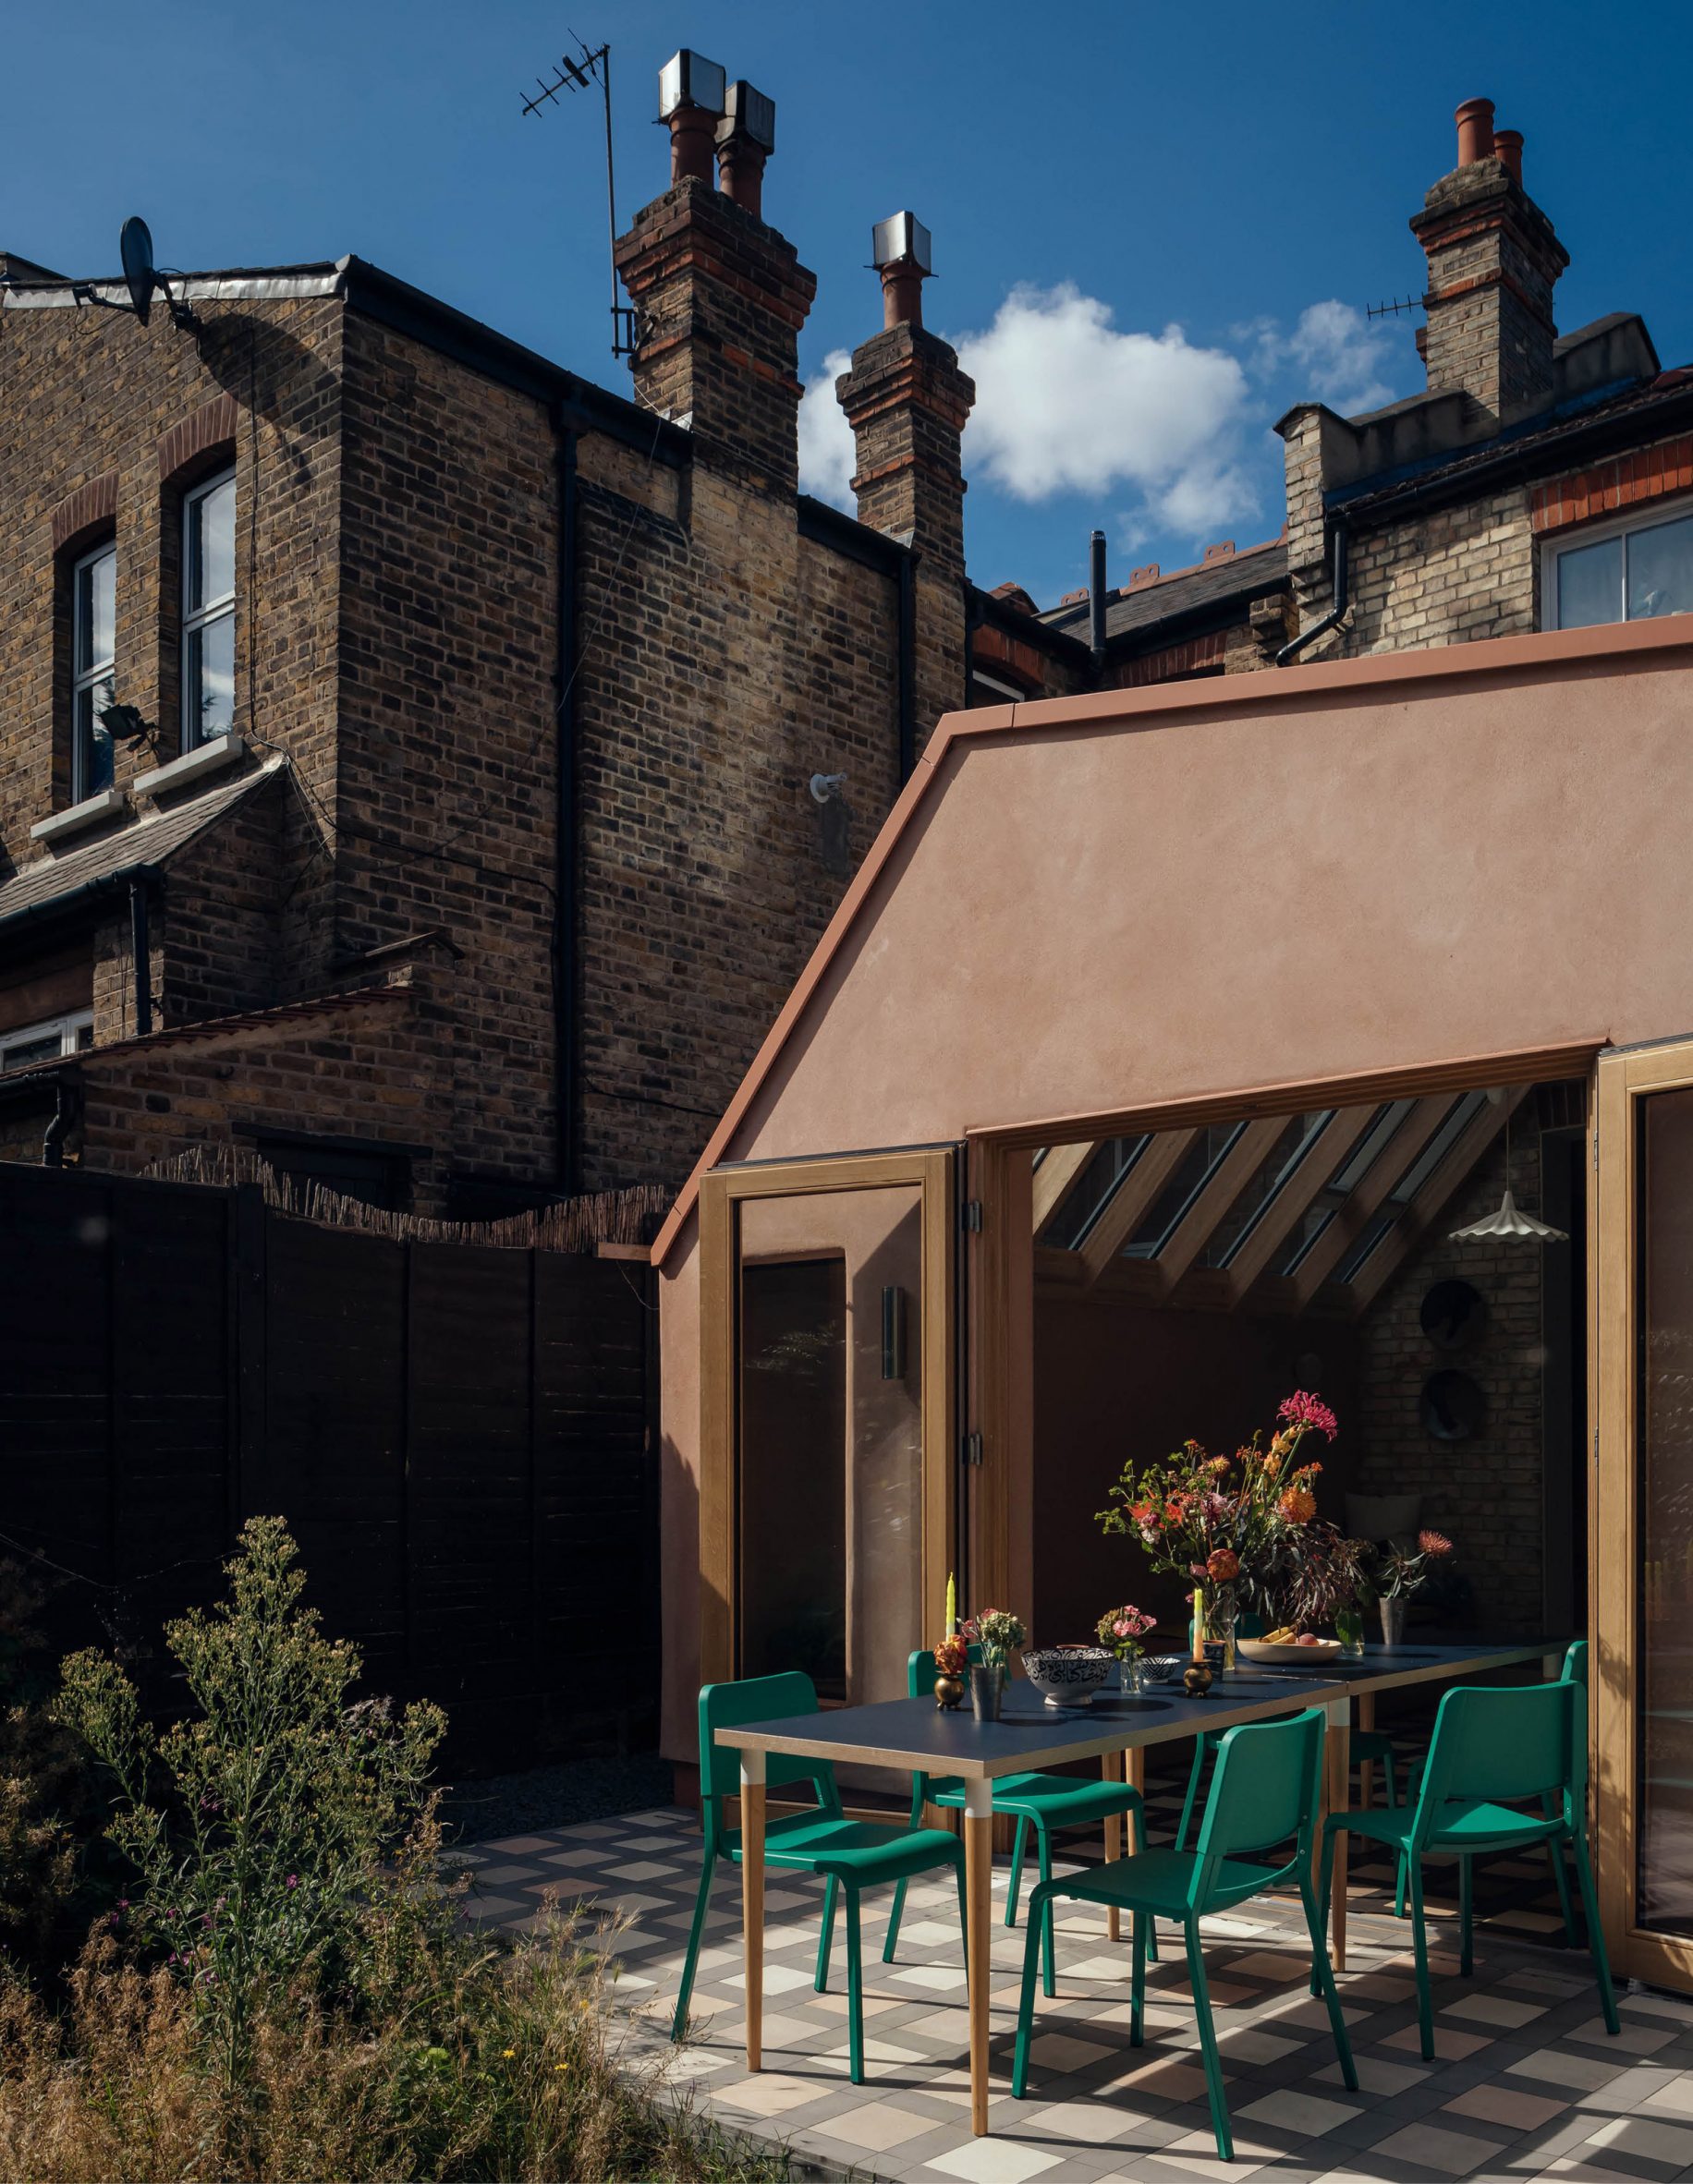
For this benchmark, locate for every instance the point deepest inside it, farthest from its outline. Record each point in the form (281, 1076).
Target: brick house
(496, 748)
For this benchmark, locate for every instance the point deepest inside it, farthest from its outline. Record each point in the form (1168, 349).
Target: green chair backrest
(1265, 1792)
(756, 1698)
(1248, 1624)
(1576, 1662)
(1497, 1745)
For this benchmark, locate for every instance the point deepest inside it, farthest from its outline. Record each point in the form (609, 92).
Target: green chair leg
(1208, 2043)
(1420, 1947)
(1323, 1974)
(1596, 1939)
(824, 1939)
(1136, 1987)
(1560, 1879)
(1017, 1850)
(679, 2023)
(855, 1990)
(1196, 1774)
(1044, 1842)
(1387, 1784)
(1467, 1916)
(892, 1942)
(1026, 2001)
(1137, 1822)
(1405, 1867)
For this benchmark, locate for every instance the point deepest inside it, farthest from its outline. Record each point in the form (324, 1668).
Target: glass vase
(1131, 1678)
(1221, 1614)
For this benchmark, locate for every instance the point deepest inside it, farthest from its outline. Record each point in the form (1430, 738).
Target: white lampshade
(1510, 1226)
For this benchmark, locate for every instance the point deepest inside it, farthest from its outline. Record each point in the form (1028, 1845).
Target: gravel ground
(495, 1805)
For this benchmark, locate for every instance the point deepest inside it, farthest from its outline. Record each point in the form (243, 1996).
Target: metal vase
(987, 1689)
(1392, 1622)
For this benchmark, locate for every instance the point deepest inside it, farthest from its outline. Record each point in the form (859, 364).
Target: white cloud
(1345, 358)
(826, 458)
(1067, 402)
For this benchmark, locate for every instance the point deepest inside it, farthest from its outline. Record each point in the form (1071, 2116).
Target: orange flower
(1223, 1566)
(1298, 1505)
(1218, 1463)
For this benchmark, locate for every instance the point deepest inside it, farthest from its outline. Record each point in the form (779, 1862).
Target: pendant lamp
(1509, 1224)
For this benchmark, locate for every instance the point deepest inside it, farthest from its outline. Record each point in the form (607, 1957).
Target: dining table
(1116, 1729)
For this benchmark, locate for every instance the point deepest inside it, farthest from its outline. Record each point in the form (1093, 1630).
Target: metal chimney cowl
(687, 79)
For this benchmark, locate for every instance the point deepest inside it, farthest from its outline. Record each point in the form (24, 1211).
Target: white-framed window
(50, 1041)
(208, 611)
(1631, 570)
(93, 613)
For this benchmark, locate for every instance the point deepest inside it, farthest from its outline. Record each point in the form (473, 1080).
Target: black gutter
(1292, 650)
(587, 408)
(566, 1062)
(1028, 629)
(906, 655)
(1527, 456)
(85, 897)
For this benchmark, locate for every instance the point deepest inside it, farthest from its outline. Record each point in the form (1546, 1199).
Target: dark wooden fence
(459, 1437)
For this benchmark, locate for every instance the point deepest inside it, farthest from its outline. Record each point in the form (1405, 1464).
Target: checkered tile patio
(1525, 2085)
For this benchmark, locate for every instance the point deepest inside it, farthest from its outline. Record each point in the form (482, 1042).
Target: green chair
(1574, 1671)
(1263, 1794)
(1493, 1751)
(850, 1855)
(1046, 1803)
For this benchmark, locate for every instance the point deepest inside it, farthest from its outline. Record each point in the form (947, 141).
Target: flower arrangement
(1120, 1631)
(998, 1633)
(1217, 1519)
(1393, 1572)
(952, 1656)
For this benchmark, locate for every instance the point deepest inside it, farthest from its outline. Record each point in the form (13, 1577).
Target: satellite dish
(135, 245)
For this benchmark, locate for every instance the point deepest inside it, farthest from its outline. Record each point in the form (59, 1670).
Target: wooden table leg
(1365, 1767)
(978, 1929)
(1110, 1769)
(752, 1900)
(1336, 1783)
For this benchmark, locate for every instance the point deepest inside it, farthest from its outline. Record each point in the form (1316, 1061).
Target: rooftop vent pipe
(1508, 150)
(691, 104)
(1096, 595)
(746, 138)
(902, 250)
(1475, 120)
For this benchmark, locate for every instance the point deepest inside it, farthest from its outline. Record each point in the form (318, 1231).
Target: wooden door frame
(1624, 1078)
(933, 1170)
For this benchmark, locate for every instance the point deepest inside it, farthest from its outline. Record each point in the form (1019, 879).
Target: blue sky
(1155, 227)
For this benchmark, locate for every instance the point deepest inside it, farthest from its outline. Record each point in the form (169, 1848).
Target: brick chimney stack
(720, 295)
(1493, 261)
(908, 403)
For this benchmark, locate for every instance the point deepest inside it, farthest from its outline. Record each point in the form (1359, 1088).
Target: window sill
(77, 819)
(201, 764)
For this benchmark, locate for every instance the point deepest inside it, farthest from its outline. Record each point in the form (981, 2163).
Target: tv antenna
(577, 75)
(1395, 308)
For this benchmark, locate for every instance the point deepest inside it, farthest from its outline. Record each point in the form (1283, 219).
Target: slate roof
(148, 839)
(1250, 574)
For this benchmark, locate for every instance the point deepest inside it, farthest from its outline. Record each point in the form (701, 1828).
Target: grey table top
(917, 1734)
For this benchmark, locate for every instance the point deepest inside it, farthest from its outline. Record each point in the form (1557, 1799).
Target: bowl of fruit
(1288, 1646)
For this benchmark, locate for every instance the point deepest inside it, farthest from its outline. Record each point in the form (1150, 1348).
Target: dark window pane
(1193, 1171)
(1459, 1116)
(1090, 1192)
(210, 680)
(1661, 570)
(1289, 1149)
(1590, 581)
(91, 755)
(211, 570)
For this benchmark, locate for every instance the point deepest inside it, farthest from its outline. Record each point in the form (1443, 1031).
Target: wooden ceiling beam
(1396, 1159)
(1055, 1176)
(1236, 1168)
(1323, 1158)
(1425, 1209)
(1132, 1201)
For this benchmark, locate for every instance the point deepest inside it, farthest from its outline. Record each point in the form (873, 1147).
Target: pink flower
(1434, 1543)
(1310, 1412)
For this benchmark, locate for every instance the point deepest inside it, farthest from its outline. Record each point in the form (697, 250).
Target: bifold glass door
(827, 1507)
(1643, 1510)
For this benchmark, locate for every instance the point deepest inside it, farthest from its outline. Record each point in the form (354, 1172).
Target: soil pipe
(567, 1061)
(1096, 599)
(908, 665)
(66, 1106)
(1337, 544)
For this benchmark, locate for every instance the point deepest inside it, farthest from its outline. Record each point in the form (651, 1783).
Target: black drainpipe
(1096, 600)
(974, 616)
(140, 959)
(66, 1106)
(1337, 547)
(908, 665)
(566, 1059)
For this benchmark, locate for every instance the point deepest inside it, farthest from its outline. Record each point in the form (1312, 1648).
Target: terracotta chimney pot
(902, 293)
(692, 136)
(746, 138)
(1475, 119)
(1508, 148)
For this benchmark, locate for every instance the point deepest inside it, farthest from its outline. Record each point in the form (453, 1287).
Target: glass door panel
(828, 1401)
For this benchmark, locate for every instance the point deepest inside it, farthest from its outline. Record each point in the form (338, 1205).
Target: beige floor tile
(1494, 2010)
(770, 2094)
(1646, 2137)
(1065, 2051)
(1163, 2077)
(1289, 2110)
(1453, 2154)
(1090, 2123)
(1504, 2104)
(993, 2161)
(1449, 2046)
(875, 2129)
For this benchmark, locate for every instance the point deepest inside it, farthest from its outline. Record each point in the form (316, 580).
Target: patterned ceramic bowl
(1069, 1675)
(1164, 1667)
